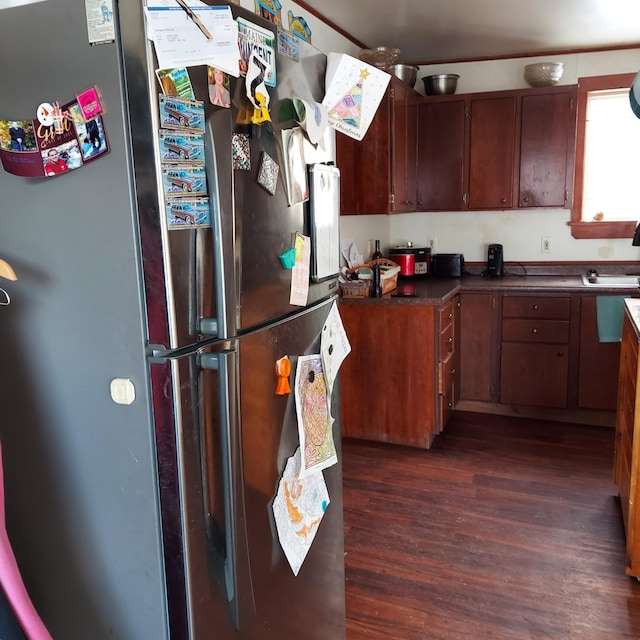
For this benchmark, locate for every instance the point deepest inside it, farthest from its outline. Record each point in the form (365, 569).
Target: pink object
(90, 103)
(12, 584)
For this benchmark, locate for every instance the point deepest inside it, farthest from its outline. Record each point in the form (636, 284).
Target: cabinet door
(546, 149)
(492, 152)
(388, 382)
(365, 174)
(441, 155)
(598, 364)
(404, 147)
(477, 346)
(534, 374)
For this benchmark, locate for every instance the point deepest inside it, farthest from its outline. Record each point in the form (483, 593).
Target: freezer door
(237, 435)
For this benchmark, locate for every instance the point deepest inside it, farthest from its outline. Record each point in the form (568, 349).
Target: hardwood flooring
(508, 529)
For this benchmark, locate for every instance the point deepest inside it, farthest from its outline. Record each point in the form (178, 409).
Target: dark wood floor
(508, 529)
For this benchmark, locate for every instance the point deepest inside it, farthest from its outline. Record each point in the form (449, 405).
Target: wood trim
(330, 23)
(586, 230)
(528, 54)
(579, 228)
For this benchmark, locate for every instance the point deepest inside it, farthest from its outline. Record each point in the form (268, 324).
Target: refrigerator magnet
(283, 371)
(240, 151)
(90, 103)
(288, 258)
(268, 173)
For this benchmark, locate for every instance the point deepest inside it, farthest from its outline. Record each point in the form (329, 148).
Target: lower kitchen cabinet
(539, 351)
(534, 364)
(478, 346)
(399, 382)
(626, 466)
(598, 363)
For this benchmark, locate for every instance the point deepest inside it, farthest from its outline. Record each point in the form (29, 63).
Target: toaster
(449, 265)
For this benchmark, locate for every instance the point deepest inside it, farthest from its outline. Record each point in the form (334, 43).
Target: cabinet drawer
(446, 342)
(525, 330)
(446, 373)
(534, 307)
(446, 315)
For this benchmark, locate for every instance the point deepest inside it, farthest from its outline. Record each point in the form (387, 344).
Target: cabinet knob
(525, 199)
(534, 331)
(450, 316)
(503, 200)
(560, 354)
(535, 307)
(453, 372)
(450, 340)
(450, 405)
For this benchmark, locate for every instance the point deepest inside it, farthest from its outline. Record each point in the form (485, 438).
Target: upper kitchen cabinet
(441, 180)
(378, 173)
(497, 150)
(492, 151)
(547, 147)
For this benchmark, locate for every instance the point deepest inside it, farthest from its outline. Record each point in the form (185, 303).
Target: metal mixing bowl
(406, 72)
(440, 84)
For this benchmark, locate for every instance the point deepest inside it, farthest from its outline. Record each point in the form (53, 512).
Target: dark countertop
(435, 291)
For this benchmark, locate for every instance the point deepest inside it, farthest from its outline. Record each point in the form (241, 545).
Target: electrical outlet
(545, 244)
(431, 243)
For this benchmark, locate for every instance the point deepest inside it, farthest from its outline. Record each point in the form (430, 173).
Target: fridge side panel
(82, 501)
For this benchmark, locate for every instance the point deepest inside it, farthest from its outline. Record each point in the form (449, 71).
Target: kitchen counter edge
(435, 291)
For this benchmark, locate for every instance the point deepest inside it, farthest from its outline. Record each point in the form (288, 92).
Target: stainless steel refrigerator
(141, 434)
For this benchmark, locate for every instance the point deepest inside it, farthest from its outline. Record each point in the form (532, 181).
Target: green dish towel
(609, 310)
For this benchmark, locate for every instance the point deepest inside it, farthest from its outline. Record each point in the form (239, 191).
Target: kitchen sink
(613, 280)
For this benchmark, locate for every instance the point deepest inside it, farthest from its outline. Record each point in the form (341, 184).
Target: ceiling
(429, 31)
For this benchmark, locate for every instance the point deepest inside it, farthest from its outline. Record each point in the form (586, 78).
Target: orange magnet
(283, 371)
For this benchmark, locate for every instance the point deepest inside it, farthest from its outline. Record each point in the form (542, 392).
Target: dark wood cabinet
(547, 139)
(399, 383)
(534, 361)
(492, 152)
(478, 346)
(598, 363)
(378, 173)
(626, 465)
(441, 179)
(497, 150)
(448, 361)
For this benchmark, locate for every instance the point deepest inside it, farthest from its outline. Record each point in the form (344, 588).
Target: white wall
(519, 231)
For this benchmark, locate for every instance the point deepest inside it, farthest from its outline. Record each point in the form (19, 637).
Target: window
(605, 201)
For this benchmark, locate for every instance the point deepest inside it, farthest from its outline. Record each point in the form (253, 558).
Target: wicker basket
(362, 288)
(355, 288)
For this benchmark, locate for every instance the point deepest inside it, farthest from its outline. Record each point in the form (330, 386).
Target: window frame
(581, 229)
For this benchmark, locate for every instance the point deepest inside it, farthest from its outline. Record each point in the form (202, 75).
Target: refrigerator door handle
(237, 570)
(218, 163)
